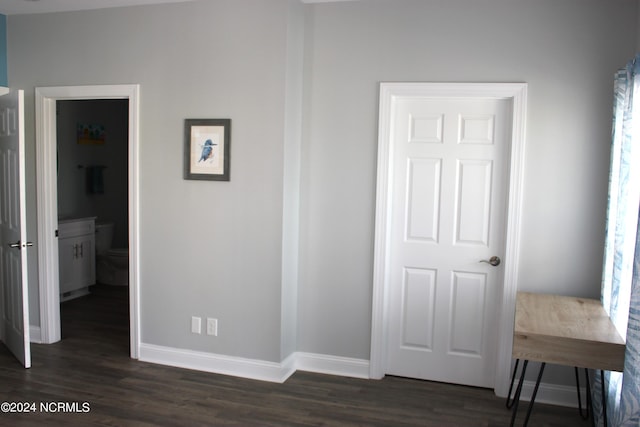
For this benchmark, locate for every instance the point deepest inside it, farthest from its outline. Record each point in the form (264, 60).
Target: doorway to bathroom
(96, 182)
(92, 171)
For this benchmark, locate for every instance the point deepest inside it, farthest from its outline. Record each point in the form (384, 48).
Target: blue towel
(95, 179)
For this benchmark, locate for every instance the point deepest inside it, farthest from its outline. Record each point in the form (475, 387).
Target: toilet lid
(119, 252)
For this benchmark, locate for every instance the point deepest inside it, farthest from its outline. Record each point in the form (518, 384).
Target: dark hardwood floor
(91, 364)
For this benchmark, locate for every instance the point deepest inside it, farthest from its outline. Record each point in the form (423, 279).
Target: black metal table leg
(533, 397)
(588, 408)
(516, 398)
(589, 401)
(510, 401)
(604, 399)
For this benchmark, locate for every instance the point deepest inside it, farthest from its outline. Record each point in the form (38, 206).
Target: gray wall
(207, 248)
(3, 50)
(214, 249)
(566, 51)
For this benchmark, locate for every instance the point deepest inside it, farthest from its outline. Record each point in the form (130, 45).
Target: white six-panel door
(447, 216)
(13, 244)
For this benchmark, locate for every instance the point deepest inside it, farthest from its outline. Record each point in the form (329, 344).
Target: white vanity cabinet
(77, 258)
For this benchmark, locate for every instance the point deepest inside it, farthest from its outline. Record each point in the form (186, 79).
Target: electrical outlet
(212, 326)
(196, 325)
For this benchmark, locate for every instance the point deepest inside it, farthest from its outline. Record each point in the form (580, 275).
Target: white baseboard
(215, 363)
(332, 365)
(252, 368)
(310, 362)
(35, 335)
(553, 394)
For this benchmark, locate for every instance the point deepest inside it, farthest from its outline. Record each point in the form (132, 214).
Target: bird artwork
(207, 151)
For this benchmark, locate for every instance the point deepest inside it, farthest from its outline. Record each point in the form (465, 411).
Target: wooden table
(566, 331)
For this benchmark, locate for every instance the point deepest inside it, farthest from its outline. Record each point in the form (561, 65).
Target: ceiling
(17, 7)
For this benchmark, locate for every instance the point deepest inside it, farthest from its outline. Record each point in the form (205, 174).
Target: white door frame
(516, 93)
(47, 197)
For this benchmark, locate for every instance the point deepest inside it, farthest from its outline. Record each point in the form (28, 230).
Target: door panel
(423, 199)
(468, 292)
(447, 214)
(419, 293)
(474, 202)
(13, 244)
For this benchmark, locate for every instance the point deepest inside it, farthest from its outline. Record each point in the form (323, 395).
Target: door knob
(19, 245)
(494, 261)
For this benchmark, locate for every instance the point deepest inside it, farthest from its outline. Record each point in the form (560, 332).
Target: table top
(566, 330)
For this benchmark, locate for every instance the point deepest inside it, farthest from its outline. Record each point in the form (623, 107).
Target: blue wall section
(3, 51)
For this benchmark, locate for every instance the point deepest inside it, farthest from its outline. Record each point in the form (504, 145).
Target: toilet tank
(104, 237)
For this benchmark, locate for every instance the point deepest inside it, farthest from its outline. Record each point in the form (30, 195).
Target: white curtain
(621, 269)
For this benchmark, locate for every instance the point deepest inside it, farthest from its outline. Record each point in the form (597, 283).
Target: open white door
(13, 232)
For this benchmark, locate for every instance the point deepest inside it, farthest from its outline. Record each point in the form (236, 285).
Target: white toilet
(112, 264)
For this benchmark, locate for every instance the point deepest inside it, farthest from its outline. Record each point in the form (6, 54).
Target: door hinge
(56, 233)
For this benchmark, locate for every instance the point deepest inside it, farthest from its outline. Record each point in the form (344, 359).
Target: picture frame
(207, 154)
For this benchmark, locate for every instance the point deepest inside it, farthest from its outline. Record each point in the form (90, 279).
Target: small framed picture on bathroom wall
(207, 149)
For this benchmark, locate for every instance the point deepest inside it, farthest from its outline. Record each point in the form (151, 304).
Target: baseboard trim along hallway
(310, 362)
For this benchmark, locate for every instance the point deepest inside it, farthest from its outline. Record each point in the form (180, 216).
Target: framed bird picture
(207, 149)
